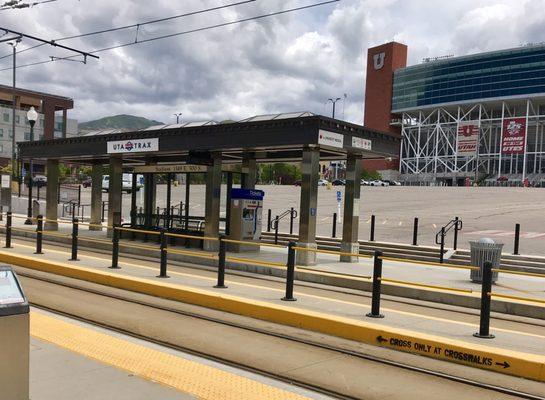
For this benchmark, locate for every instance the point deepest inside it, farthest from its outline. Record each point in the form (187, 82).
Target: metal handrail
(457, 223)
(276, 220)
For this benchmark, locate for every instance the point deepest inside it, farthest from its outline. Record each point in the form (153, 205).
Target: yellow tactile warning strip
(526, 365)
(202, 381)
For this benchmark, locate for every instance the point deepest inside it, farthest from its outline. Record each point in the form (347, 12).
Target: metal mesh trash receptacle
(485, 249)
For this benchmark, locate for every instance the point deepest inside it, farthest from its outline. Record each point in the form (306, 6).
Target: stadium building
(462, 119)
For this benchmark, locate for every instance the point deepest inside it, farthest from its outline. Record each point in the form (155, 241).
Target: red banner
(514, 136)
(468, 135)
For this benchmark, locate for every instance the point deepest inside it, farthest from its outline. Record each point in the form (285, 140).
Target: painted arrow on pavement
(380, 339)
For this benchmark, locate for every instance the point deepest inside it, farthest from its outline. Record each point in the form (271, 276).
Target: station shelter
(218, 150)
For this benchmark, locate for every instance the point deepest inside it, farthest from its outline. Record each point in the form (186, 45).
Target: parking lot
(485, 211)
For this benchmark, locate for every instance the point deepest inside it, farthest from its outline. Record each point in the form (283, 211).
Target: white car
(363, 182)
(127, 183)
(323, 182)
(378, 182)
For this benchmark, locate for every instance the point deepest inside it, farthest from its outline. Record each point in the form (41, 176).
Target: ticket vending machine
(14, 338)
(245, 224)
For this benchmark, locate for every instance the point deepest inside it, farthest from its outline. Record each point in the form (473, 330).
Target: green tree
(370, 175)
(281, 173)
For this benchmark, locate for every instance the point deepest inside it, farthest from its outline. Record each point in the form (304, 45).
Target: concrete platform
(453, 284)
(514, 351)
(71, 359)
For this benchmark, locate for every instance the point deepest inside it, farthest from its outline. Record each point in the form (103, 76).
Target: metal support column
(52, 195)
(249, 175)
(115, 187)
(187, 197)
(96, 197)
(310, 169)
(351, 218)
(228, 204)
(212, 203)
(134, 187)
(169, 196)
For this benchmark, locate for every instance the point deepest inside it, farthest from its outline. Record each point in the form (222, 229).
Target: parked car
(378, 182)
(297, 183)
(503, 179)
(364, 182)
(339, 182)
(39, 180)
(86, 183)
(127, 183)
(392, 183)
(323, 182)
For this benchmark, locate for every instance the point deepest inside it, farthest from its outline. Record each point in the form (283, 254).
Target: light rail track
(276, 376)
(387, 300)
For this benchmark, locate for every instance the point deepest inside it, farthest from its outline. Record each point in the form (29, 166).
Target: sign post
(339, 200)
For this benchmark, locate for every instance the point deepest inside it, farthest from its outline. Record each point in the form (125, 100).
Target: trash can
(484, 249)
(35, 208)
(14, 338)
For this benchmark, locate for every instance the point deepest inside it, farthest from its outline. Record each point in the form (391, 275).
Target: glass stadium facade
(478, 117)
(499, 74)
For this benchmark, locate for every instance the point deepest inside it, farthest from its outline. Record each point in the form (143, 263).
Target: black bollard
(292, 216)
(221, 264)
(377, 276)
(456, 222)
(115, 248)
(517, 240)
(486, 293)
(276, 223)
(164, 252)
(372, 233)
(8, 230)
(334, 229)
(415, 232)
(39, 234)
(269, 216)
(75, 230)
(442, 250)
(290, 273)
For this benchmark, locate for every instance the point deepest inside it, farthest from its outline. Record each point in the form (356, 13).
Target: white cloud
(289, 62)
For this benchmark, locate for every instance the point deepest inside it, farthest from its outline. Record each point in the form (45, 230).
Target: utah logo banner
(513, 140)
(468, 135)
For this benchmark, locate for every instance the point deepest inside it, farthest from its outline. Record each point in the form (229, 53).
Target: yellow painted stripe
(527, 365)
(312, 296)
(203, 381)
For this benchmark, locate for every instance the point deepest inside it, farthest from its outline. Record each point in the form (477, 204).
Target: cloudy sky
(278, 64)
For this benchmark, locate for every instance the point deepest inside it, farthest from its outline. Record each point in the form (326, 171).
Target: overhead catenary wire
(137, 25)
(209, 27)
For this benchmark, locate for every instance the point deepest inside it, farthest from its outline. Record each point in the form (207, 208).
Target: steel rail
(429, 263)
(256, 262)
(120, 228)
(424, 371)
(139, 246)
(506, 271)
(340, 253)
(280, 246)
(179, 235)
(508, 296)
(425, 285)
(191, 253)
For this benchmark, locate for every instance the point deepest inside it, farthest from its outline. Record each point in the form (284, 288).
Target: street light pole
(32, 117)
(334, 102)
(13, 106)
(178, 115)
